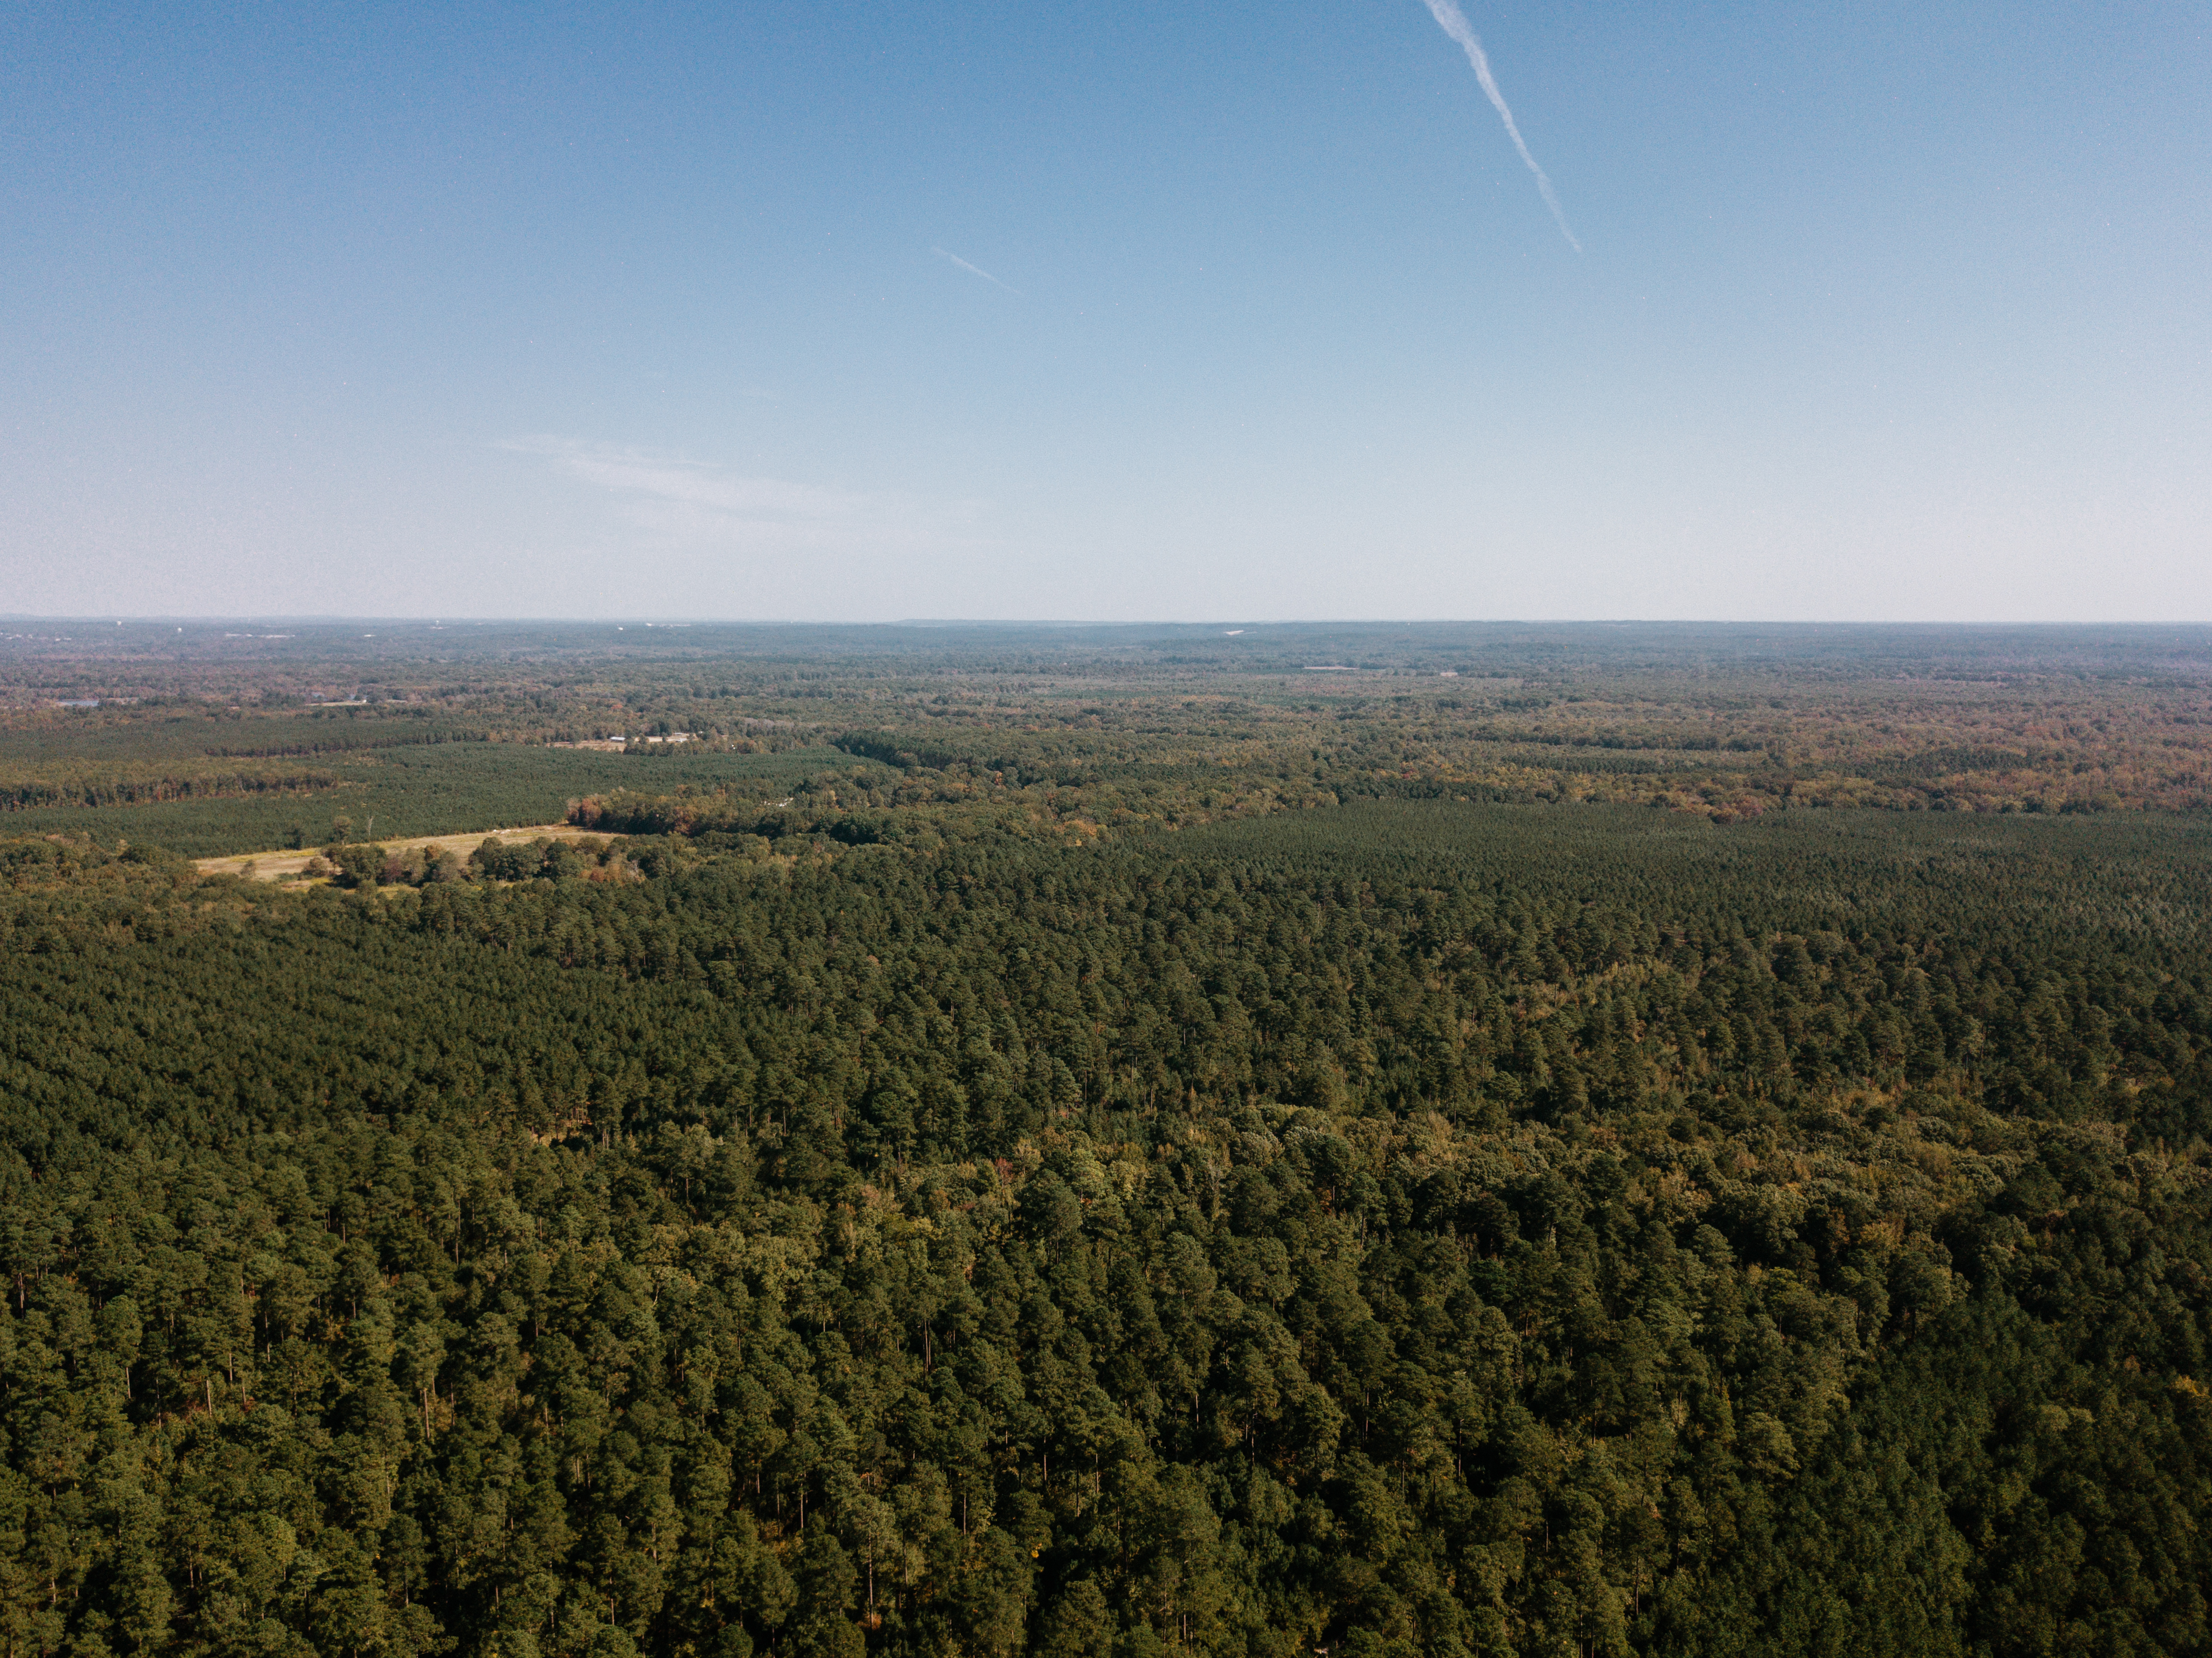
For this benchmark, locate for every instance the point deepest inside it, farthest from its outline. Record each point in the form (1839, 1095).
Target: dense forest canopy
(1100, 1170)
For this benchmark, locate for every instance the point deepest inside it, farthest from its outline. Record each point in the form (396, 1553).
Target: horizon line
(662, 620)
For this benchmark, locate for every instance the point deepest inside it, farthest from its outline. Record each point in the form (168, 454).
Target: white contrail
(1453, 22)
(978, 271)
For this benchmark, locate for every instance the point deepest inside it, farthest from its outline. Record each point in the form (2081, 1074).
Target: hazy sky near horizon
(840, 311)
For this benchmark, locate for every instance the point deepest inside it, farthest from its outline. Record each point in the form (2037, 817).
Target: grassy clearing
(285, 863)
(408, 793)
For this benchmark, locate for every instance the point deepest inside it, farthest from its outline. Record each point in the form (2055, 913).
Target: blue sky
(1881, 312)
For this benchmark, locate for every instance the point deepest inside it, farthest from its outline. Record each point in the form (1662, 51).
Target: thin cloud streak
(978, 271)
(690, 483)
(1453, 22)
(691, 503)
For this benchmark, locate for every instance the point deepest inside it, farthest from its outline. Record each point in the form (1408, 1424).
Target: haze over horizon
(820, 313)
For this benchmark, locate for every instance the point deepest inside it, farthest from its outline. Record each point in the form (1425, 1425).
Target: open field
(279, 865)
(392, 794)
